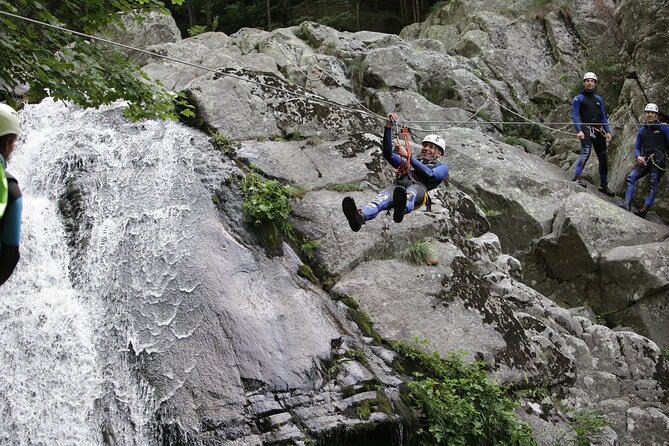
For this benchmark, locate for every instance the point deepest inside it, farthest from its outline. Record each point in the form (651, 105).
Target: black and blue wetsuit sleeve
(605, 121)
(576, 111)
(637, 144)
(438, 174)
(393, 158)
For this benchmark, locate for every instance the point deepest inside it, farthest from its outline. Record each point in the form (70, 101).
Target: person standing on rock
(650, 149)
(592, 130)
(410, 189)
(11, 203)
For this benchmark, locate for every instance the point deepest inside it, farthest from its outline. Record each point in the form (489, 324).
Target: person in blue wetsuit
(652, 145)
(11, 203)
(592, 127)
(409, 191)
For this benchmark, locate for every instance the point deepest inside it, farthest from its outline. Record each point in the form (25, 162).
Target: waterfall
(135, 312)
(70, 337)
(49, 379)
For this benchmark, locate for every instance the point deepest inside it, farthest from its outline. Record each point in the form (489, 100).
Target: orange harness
(405, 166)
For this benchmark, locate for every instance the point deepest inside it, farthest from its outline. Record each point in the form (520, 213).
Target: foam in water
(48, 373)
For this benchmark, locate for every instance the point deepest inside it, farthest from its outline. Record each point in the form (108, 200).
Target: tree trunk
(357, 15)
(192, 13)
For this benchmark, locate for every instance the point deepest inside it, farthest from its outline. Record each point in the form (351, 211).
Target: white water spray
(49, 379)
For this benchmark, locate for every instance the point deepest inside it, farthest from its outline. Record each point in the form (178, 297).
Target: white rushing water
(66, 374)
(49, 378)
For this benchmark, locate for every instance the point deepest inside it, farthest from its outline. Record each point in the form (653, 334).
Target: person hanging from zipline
(650, 150)
(415, 177)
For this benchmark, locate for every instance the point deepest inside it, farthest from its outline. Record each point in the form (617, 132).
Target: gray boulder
(211, 51)
(519, 191)
(634, 288)
(141, 30)
(584, 228)
(242, 104)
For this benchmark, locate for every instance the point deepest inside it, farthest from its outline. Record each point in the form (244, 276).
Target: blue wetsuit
(589, 117)
(652, 142)
(422, 177)
(10, 228)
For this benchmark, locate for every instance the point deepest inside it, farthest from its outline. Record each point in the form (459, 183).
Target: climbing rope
(651, 158)
(406, 165)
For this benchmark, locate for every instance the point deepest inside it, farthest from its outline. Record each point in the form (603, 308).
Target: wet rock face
(222, 344)
(472, 300)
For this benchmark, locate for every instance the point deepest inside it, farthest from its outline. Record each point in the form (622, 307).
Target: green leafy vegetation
(197, 30)
(349, 302)
(329, 48)
(488, 212)
(514, 140)
(356, 70)
(419, 253)
(308, 247)
(265, 201)
(225, 145)
(665, 353)
(364, 411)
(460, 404)
(297, 135)
(364, 322)
(297, 191)
(72, 68)
(314, 140)
(346, 15)
(357, 355)
(353, 186)
(441, 93)
(306, 272)
(587, 426)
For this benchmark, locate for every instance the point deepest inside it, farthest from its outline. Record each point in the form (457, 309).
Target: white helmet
(437, 141)
(651, 108)
(590, 75)
(9, 121)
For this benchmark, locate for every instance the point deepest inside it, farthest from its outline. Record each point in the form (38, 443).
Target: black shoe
(643, 210)
(606, 191)
(353, 216)
(399, 204)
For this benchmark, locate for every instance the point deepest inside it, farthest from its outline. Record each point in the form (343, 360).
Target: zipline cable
(183, 62)
(450, 124)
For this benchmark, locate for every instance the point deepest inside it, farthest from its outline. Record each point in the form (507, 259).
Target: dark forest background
(389, 16)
